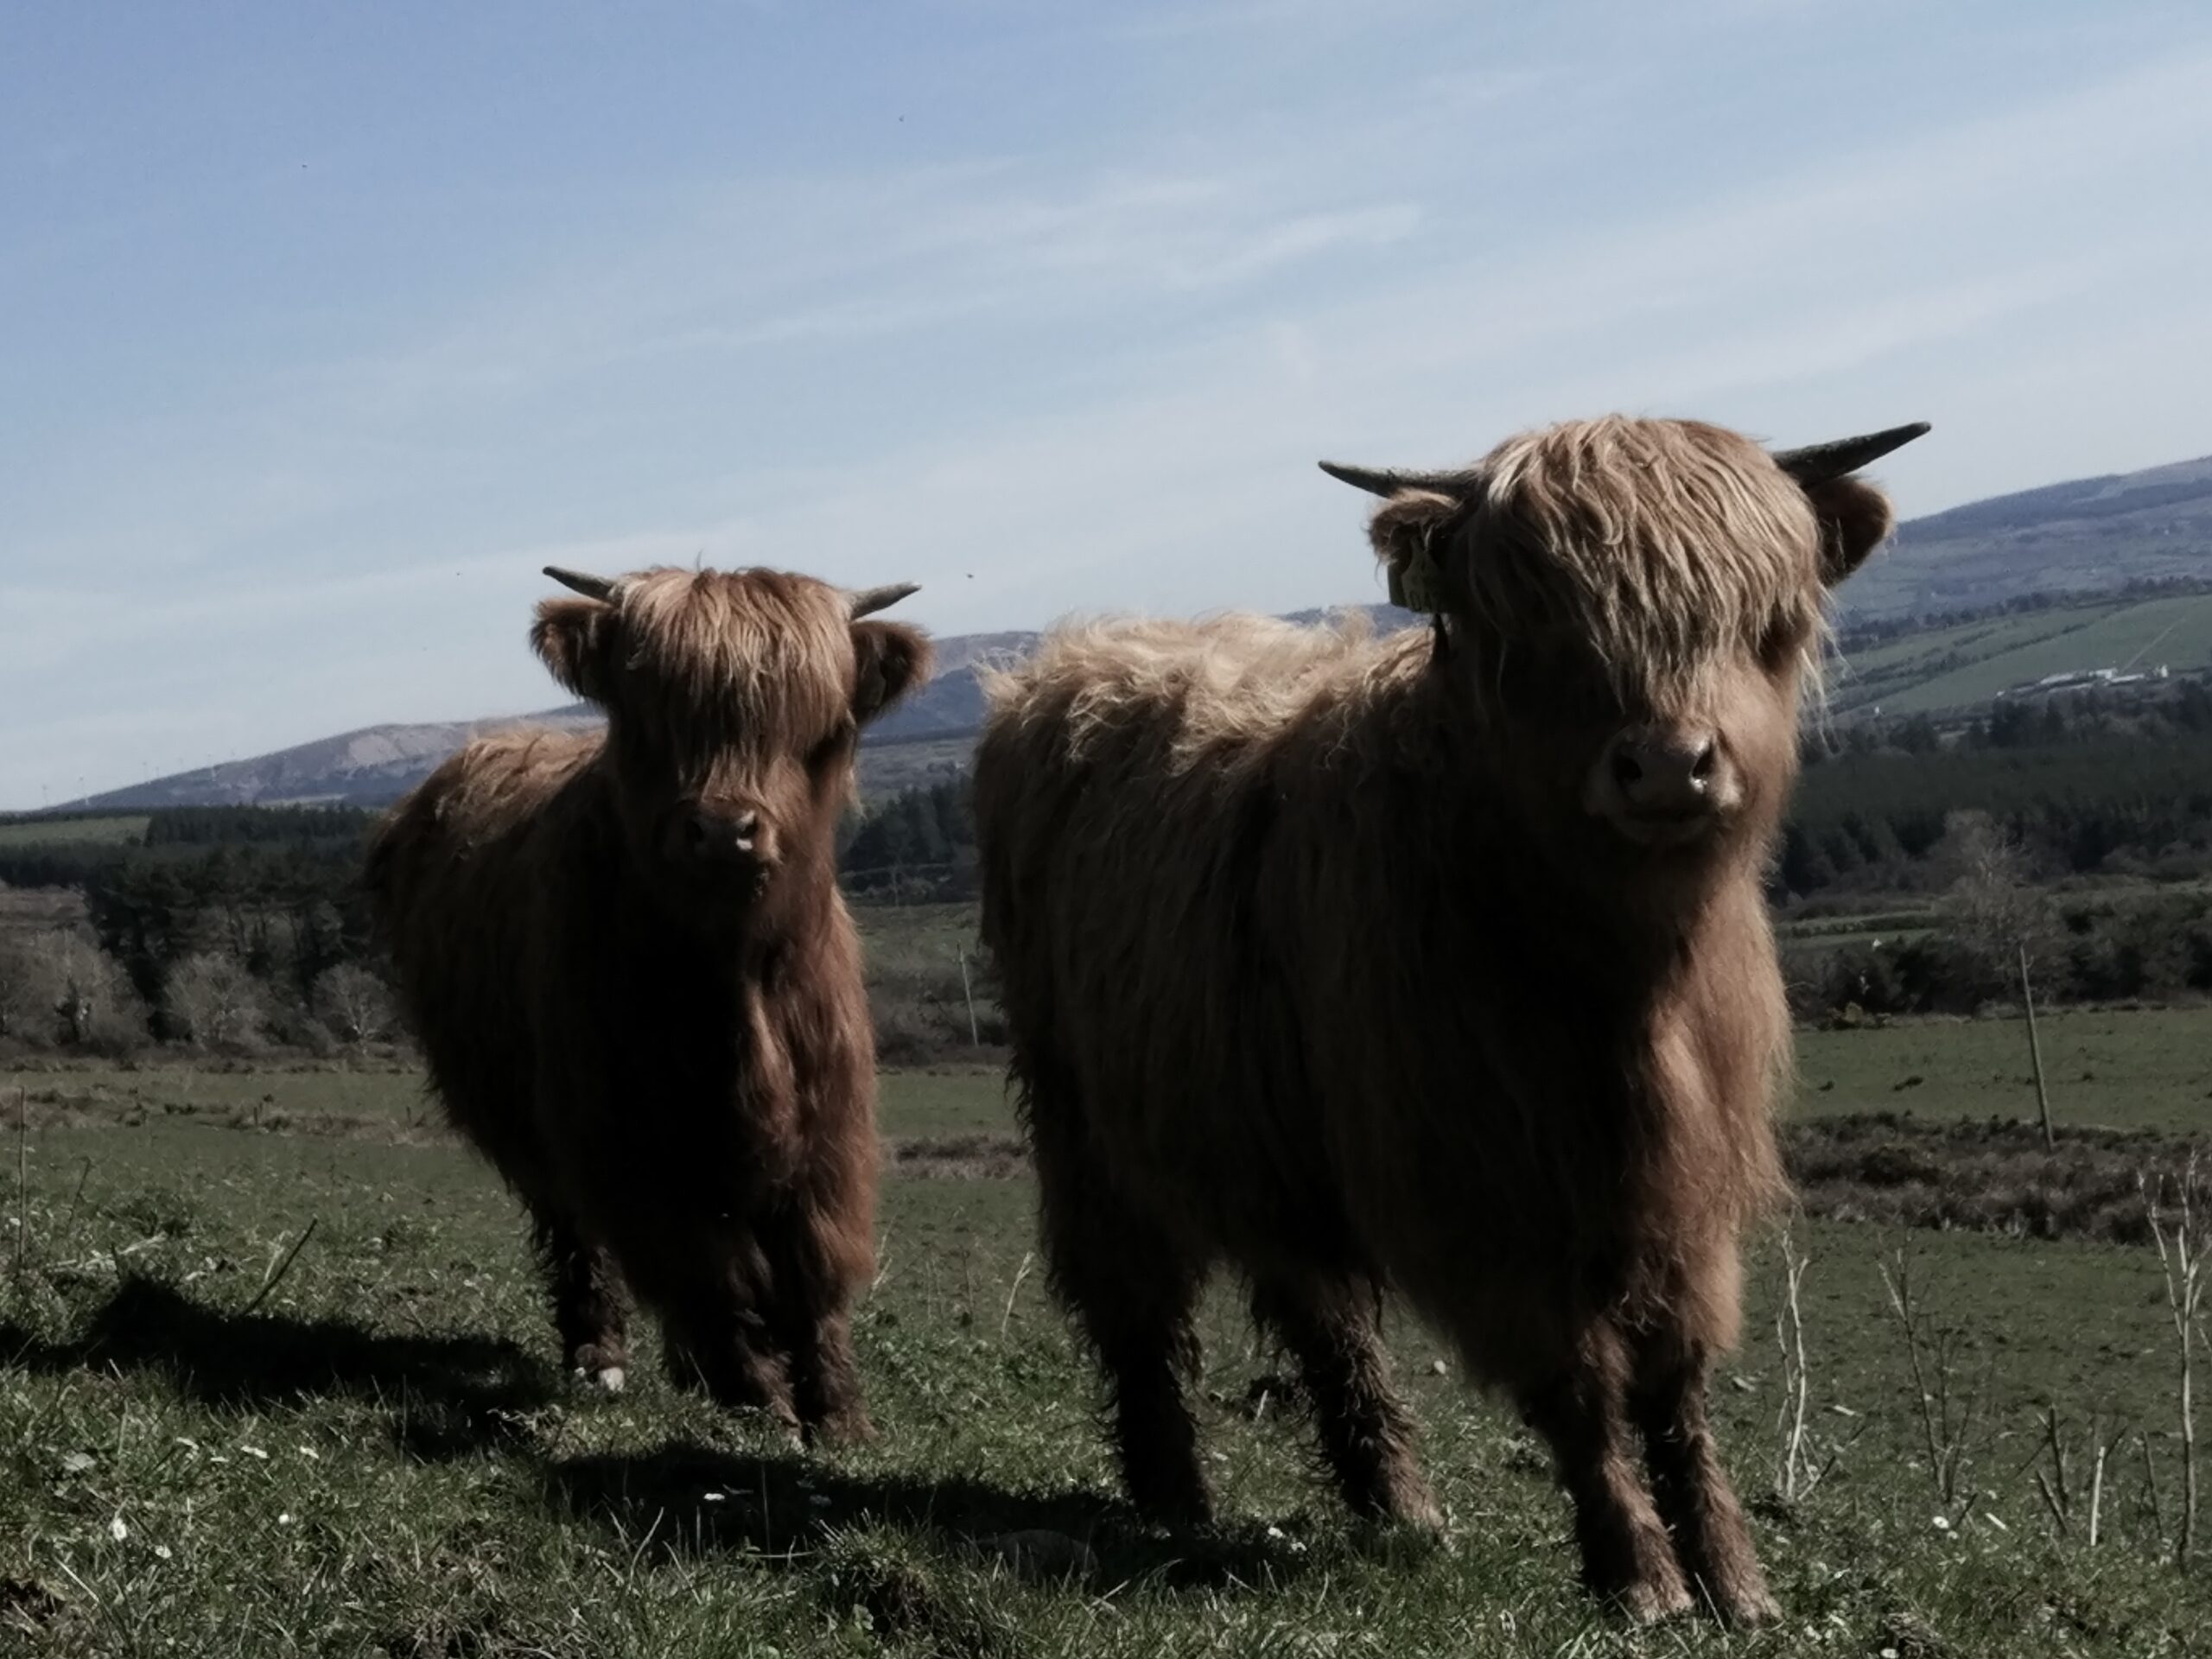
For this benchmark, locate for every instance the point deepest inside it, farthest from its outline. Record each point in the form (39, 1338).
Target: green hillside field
(1967, 665)
(109, 829)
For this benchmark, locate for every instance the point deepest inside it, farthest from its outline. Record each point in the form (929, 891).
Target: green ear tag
(1414, 585)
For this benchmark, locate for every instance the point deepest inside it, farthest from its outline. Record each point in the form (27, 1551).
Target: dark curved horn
(590, 586)
(1819, 462)
(1376, 482)
(869, 600)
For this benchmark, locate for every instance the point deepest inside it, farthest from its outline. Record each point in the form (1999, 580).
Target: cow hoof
(1416, 1510)
(1655, 1604)
(854, 1429)
(1748, 1610)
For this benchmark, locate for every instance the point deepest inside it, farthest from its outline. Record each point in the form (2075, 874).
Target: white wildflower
(116, 1530)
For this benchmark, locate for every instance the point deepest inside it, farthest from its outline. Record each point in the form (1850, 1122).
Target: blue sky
(324, 327)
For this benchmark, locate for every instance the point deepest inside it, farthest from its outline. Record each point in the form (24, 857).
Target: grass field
(2141, 1069)
(378, 1456)
(2123, 1069)
(1955, 667)
(109, 831)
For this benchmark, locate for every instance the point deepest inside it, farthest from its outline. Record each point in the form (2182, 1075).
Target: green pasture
(375, 1454)
(106, 831)
(1956, 667)
(2130, 1069)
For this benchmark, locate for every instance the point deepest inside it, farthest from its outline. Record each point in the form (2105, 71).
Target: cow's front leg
(1627, 1555)
(818, 1258)
(1695, 1497)
(589, 1308)
(712, 1288)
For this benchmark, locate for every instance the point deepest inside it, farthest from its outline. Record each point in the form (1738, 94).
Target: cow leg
(1695, 1498)
(713, 1289)
(1133, 1296)
(813, 1322)
(1584, 1415)
(1366, 1436)
(1141, 1329)
(589, 1308)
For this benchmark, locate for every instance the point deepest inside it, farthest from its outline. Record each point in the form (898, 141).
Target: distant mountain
(364, 768)
(2092, 536)
(926, 737)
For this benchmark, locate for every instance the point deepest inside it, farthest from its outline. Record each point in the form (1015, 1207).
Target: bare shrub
(1992, 906)
(57, 987)
(25, 1004)
(212, 1002)
(2067, 1490)
(354, 1004)
(1950, 1399)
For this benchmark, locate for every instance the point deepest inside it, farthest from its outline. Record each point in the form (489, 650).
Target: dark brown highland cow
(639, 988)
(1436, 964)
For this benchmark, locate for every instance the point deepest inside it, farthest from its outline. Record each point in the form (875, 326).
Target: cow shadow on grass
(448, 1396)
(689, 1501)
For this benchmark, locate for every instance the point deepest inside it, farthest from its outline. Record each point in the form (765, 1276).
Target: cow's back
(459, 875)
(1127, 800)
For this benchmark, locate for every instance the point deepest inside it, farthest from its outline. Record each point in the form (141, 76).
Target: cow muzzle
(1663, 785)
(722, 842)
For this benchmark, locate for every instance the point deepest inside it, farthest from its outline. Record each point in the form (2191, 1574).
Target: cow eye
(1783, 640)
(830, 747)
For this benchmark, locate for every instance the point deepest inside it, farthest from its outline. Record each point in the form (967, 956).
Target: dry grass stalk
(1950, 1409)
(1794, 1478)
(2185, 1253)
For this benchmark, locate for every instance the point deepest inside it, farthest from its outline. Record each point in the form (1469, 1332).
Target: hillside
(362, 768)
(2090, 536)
(1966, 664)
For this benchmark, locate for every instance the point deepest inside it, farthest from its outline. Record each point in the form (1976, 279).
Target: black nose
(723, 834)
(1665, 771)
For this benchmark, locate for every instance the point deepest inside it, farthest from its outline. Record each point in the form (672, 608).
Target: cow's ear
(889, 660)
(1409, 532)
(574, 638)
(1855, 519)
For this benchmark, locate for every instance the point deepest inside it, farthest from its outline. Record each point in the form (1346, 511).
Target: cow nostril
(745, 826)
(1627, 770)
(694, 832)
(1708, 757)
